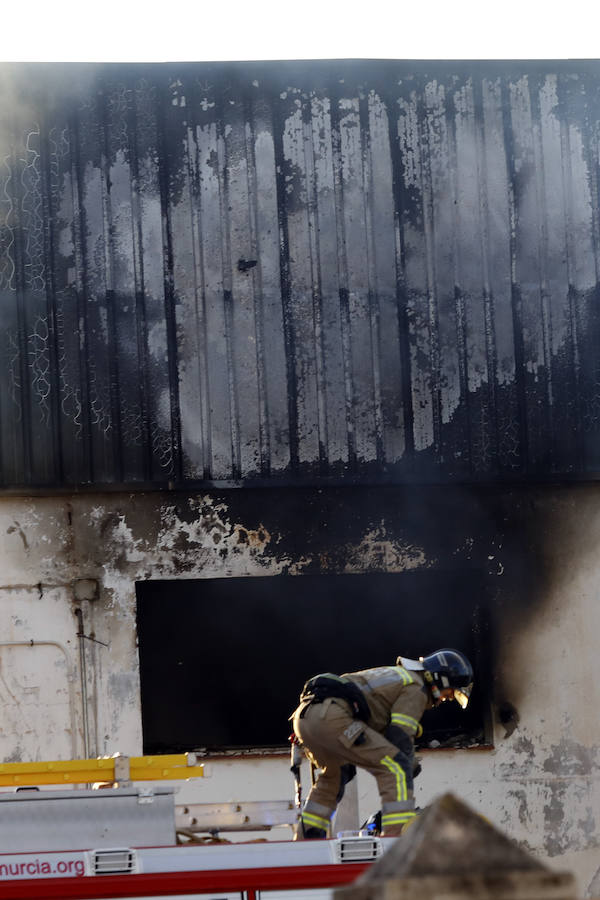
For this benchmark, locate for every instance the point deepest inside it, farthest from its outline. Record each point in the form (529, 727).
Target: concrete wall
(537, 548)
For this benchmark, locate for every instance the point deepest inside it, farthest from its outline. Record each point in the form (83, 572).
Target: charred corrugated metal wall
(298, 272)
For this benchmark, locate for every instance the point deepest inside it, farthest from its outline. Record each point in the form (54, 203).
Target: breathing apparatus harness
(322, 687)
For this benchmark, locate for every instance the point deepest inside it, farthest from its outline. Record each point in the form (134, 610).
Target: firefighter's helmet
(444, 669)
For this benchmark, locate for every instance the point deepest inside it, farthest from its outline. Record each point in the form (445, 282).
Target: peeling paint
(566, 829)
(209, 529)
(377, 551)
(122, 535)
(519, 797)
(569, 756)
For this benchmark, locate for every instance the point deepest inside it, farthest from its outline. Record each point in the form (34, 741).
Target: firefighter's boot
(304, 832)
(397, 829)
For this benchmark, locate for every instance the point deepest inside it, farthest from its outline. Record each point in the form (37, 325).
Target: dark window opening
(222, 661)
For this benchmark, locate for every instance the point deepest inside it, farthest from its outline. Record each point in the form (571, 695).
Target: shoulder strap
(327, 685)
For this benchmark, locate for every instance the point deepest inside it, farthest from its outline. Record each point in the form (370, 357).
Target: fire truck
(116, 832)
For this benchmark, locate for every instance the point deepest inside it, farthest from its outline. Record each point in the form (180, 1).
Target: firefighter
(370, 719)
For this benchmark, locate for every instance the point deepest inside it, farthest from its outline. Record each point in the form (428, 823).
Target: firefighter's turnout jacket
(341, 732)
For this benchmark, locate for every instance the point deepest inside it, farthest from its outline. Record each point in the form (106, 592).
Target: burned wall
(503, 544)
(298, 272)
(533, 553)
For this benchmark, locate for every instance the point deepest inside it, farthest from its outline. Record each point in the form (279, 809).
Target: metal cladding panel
(299, 272)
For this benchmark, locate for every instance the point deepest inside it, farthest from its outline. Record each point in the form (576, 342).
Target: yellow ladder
(115, 769)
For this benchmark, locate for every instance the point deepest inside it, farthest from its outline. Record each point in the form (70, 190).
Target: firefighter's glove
(417, 769)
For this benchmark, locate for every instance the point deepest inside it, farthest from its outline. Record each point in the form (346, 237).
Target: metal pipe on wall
(83, 674)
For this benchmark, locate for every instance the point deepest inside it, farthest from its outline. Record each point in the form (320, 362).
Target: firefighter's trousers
(332, 738)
